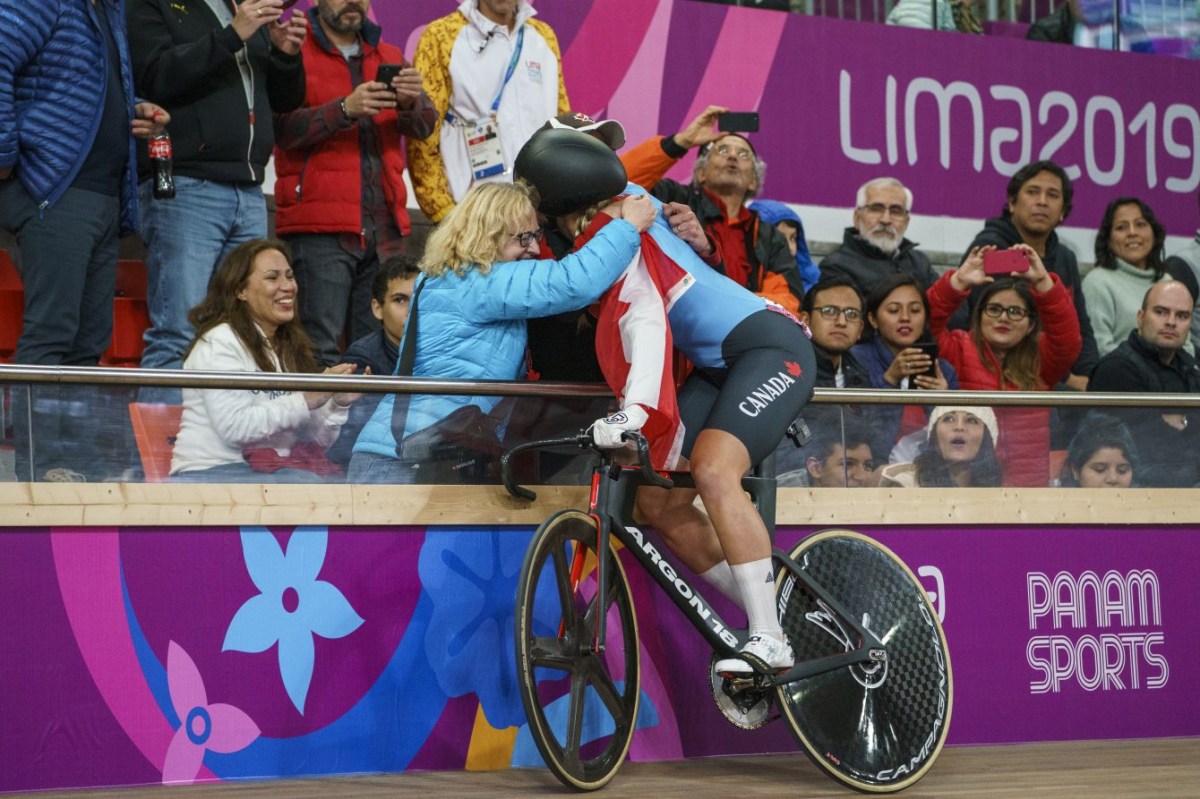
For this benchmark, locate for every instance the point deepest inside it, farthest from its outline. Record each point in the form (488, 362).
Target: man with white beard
(875, 247)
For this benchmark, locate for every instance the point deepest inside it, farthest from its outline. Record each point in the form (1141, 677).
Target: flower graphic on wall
(217, 727)
(293, 606)
(471, 576)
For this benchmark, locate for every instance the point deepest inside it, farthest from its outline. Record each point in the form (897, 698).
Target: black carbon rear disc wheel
(876, 727)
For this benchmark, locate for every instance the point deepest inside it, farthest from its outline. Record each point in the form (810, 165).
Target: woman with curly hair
(247, 323)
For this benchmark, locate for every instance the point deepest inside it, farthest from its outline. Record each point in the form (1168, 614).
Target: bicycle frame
(613, 494)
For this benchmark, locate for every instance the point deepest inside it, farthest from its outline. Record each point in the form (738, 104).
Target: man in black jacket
(1154, 359)
(220, 70)
(876, 247)
(1039, 200)
(833, 311)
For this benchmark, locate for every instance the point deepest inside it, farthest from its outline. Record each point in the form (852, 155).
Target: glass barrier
(88, 426)
(1167, 27)
(951, 445)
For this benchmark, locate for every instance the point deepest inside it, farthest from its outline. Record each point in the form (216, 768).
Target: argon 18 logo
(765, 394)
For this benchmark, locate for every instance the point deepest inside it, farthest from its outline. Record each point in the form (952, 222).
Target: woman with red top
(1024, 336)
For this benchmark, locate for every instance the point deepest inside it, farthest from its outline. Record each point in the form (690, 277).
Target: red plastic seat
(131, 316)
(12, 307)
(154, 428)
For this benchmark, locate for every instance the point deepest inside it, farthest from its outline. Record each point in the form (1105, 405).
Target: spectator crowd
(346, 115)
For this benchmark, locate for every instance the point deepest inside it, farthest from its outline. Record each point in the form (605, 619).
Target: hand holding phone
(930, 350)
(387, 73)
(738, 122)
(1004, 262)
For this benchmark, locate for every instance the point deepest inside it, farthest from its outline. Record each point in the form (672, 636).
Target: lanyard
(512, 67)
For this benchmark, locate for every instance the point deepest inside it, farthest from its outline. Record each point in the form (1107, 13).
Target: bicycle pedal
(745, 700)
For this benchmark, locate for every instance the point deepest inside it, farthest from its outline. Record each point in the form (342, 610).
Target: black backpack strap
(404, 366)
(408, 347)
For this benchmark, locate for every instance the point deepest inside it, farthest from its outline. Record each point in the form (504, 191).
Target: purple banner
(950, 115)
(1064, 632)
(187, 655)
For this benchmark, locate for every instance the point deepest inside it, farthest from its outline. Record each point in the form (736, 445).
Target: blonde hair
(473, 233)
(585, 218)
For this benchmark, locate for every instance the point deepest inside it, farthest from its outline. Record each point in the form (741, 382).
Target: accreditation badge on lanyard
(483, 135)
(483, 147)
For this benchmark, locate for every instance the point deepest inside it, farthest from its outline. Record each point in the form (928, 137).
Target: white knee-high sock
(756, 582)
(721, 577)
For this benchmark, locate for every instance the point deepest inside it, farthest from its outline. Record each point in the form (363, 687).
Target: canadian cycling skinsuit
(754, 365)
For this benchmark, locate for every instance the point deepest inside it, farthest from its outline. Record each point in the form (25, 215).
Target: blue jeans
(334, 288)
(242, 473)
(69, 272)
(186, 239)
(369, 467)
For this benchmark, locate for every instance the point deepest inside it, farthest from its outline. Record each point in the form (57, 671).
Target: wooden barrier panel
(45, 504)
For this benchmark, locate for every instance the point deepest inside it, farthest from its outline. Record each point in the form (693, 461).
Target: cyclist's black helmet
(570, 170)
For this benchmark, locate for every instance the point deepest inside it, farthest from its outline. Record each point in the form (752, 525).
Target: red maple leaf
(793, 368)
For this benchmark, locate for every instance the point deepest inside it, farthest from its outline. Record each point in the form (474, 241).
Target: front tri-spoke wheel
(877, 726)
(581, 700)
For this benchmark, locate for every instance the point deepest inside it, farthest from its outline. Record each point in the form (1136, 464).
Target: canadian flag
(634, 344)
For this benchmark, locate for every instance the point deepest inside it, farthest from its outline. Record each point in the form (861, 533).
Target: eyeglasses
(527, 238)
(1013, 312)
(878, 209)
(741, 153)
(832, 312)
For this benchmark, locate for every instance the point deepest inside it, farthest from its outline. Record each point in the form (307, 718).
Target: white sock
(756, 582)
(721, 577)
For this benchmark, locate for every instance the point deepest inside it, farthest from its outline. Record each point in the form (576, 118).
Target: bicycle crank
(745, 701)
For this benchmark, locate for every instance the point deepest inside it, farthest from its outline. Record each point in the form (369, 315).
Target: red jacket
(319, 189)
(1024, 445)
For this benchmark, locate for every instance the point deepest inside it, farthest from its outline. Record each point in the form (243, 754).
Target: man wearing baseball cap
(726, 176)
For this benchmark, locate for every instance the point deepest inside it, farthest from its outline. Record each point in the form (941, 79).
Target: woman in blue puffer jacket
(480, 283)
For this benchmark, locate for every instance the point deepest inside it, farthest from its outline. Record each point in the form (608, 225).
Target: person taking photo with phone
(1024, 336)
(339, 159)
(728, 173)
(1038, 200)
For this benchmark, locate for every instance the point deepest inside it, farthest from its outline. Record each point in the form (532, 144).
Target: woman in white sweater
(1129, 259)
(248, 323)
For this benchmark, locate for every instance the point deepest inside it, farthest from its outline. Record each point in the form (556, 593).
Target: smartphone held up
(1002, 263)
(738, 122)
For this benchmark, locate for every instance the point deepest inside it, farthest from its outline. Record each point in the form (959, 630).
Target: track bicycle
(870, 695)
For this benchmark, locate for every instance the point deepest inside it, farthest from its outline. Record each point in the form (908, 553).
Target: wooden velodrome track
(1163, 767)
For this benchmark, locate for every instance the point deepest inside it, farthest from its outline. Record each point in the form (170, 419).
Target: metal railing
(100, 376)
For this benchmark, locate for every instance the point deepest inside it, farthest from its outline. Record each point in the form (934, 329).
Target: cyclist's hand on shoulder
(607, 432)
(639, 212)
